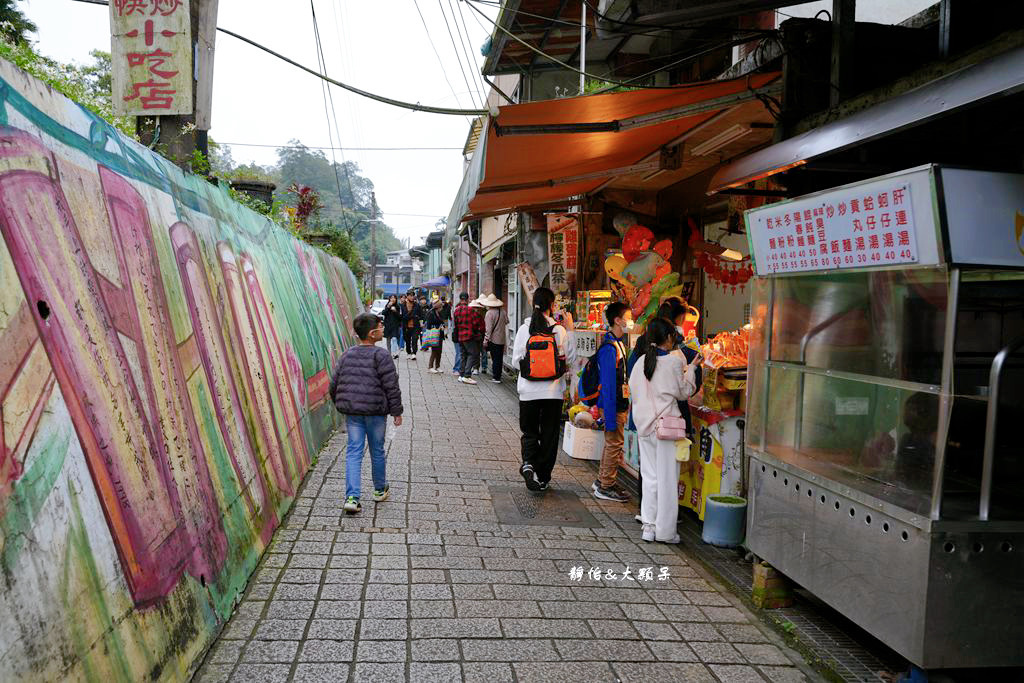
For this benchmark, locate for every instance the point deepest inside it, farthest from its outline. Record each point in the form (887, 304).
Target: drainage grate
(516, 505)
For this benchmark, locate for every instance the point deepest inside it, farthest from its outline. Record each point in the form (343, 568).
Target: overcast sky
(377, 45)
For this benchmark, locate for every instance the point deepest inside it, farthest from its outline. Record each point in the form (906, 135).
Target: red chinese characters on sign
(152, 57)
(851, 228)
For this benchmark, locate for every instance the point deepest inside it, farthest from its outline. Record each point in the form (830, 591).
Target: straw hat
(491, 301)
(475, 303)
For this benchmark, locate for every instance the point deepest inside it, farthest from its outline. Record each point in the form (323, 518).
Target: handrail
(991, 419)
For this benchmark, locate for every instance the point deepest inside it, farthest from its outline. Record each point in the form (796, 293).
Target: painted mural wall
(164, 359)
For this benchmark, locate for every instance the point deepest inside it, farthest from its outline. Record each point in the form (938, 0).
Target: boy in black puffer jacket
(364, 388)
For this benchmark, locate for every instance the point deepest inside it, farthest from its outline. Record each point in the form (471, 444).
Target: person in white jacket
(540, 402)
(655, 387)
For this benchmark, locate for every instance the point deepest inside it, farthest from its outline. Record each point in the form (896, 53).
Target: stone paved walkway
(428, 586)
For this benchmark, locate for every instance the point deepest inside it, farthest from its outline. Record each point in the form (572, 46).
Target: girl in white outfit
(655, 387)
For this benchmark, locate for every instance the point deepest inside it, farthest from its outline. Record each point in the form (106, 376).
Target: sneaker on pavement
(352, 505)
(381, 495)
(638, 519)
(530, 477)
(648, 533)
(395, 356)
(544, 485)
(613, 494)
(467, 380)
(675, 540)
(412, 357)
(496, 381)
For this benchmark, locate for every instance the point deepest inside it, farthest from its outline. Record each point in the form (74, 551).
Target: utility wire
(437, 54)
(464, 29)
(348, 149)
(323, 87)
(458, 56)
(345, 86)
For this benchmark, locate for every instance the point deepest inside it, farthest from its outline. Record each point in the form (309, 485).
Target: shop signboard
(151, 57)
(563, 248)
(529, 279)
(882, 222)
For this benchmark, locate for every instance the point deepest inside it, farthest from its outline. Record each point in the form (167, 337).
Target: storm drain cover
(516, 505)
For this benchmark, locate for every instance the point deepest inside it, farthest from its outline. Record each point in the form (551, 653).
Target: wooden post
(844, 22)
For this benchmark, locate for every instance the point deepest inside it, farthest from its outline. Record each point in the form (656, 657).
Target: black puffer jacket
(365, 382)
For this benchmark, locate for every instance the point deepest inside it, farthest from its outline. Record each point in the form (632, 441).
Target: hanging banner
(563, 247)
(882, 222)
(151, 57)
(529, 279)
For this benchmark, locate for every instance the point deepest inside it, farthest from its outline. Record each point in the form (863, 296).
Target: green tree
(14, 26)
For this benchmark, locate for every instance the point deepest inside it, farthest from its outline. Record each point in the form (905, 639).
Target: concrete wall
(164, 358)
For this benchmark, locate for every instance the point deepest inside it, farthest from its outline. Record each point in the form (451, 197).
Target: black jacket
(392, 320)
(365, 382)
(414, 316)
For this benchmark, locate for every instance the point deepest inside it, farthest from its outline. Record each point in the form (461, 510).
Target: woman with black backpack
(543, 349)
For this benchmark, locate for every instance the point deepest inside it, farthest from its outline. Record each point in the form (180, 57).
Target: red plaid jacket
(469, 325)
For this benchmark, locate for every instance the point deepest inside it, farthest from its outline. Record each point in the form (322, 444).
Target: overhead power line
(351, 88)
(322, 64)
(458, 55)
(430, 39)
(346, 149)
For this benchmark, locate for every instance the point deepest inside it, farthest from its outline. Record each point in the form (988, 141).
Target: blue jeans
(458, 358)
(363, 428)
(395, 346)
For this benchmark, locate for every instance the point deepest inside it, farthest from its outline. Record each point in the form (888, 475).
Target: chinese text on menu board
(151, 57)
(851, 229)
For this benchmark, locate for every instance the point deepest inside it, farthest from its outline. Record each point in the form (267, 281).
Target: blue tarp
(395, 288)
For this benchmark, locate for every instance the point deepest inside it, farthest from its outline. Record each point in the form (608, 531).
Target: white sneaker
(675, 540)
(648, 533)
(496, 381)
(467, 380)
(476, 372)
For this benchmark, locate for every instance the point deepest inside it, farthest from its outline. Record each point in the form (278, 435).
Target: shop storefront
(885, 381)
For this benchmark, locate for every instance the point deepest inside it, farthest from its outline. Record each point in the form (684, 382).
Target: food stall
(884, 385)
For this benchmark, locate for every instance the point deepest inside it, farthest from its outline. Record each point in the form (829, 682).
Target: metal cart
(885, 394)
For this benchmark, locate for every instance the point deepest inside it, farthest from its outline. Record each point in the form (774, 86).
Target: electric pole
(373, 243)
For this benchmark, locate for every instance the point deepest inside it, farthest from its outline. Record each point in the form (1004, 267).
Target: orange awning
(544, 152)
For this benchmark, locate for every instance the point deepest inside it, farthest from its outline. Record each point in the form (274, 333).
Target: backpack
(542, 361)
(590, 379)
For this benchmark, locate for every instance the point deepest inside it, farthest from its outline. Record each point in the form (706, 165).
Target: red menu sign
(861, 226)
(151, 57)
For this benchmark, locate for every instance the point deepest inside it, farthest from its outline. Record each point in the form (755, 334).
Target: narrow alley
(432, 586)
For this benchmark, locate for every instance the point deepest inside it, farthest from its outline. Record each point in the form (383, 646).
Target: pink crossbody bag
(669, 428)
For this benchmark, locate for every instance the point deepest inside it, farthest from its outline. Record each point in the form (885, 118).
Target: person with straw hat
(495, 334)
(469, 331)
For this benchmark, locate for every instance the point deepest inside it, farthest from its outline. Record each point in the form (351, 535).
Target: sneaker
(544, 485)
(352, 505)
(675, 540)
(530, 477)
(638, 519)
(382, 495)
(476, 372)
(456, 373)
(395, 356)
(412, 357)
(496, 381)
(613, 494)
(648, 533)
(467, 380)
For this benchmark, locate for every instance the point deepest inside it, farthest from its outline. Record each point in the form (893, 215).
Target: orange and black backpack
(542, 360)
(589, 388)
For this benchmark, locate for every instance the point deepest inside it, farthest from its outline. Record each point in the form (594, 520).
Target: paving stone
(389, 562)
(435, 650)
(508, 650)
(718, 653)
(700, 632)
(707, 598)
(239, 629)
(559, 672)
(430, 591)
(762, 654)
(580, 610)
(226, 652)
(675, 613)
(385, 591)
(435, 673)
(724, 614)
(361, 549)
(261, 673)
(296, 591)
(390, 549)
(645, 612)
(428, 576)
(612, 628)
(301, 575)
(380, 651)
(386, 609)
(337, 609)
(736, 674)
(664, 673)
(326, 651)
(488, 672)
(321, 673)
(269, 651)
(332, 629)
(290, 609)
(345, 575)
(782, 674)
(217, 673)
(432, 608)
(344, 561)
(487, 576)
(603, 650)
(610, 595)
(742, 633)
(455, 628)
(389, 576)
(383, 629)
(544, 628)
(280, 629)
(379, 673)
(474, 591)
(342, 591)
(496, 608)
(662, 596)
(673, 651)
(655, 630)
(447, 562)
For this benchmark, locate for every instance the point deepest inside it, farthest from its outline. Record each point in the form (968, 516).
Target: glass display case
(885, 473)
